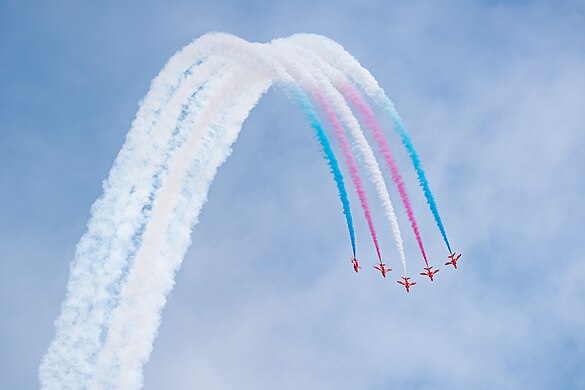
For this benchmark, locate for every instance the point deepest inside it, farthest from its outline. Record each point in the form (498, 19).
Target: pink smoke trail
(355, 98)
(350, 161)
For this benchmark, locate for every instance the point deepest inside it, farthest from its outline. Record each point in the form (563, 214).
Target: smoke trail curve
(141, 227)
(335, 54)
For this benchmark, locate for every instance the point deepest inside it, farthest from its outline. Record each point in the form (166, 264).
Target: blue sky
(493, 94)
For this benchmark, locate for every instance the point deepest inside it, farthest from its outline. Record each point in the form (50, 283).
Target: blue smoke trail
(422, 179)
(302, 99)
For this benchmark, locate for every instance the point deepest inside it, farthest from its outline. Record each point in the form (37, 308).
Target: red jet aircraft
(382, 268)
(356, 265)
(453, 260)
(429, 272)
(406, 283)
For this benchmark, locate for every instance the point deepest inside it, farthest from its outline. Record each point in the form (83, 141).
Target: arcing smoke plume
(140, 228)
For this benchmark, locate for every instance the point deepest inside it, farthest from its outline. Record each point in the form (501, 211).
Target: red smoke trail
(355, 98)
(350, 161)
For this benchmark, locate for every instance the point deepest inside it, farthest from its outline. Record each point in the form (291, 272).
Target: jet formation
(428, 270)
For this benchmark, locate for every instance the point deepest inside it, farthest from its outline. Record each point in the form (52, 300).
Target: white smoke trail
(313, 74)
(105, 251)
(137, 317)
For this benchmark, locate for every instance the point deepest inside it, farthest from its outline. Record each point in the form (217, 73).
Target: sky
(492, 93)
